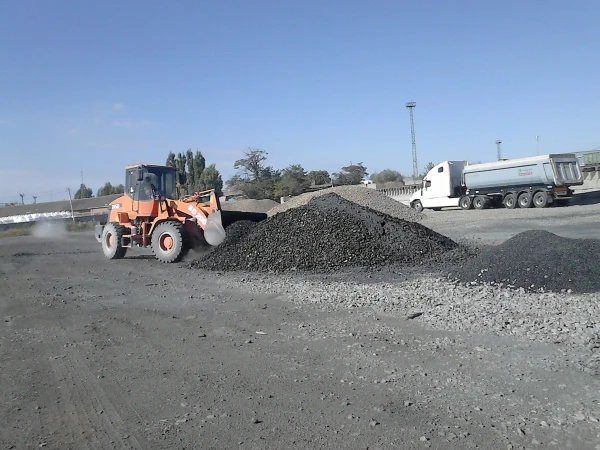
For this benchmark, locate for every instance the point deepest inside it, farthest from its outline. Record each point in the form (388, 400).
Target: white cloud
(131, 123)
(118, 106)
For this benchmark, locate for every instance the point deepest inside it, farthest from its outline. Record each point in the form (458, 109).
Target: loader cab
(146, 182)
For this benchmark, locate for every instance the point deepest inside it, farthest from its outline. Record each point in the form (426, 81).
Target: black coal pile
(327, 234)
(537, 260)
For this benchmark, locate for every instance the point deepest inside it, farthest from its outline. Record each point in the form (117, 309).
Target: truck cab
(441, 187)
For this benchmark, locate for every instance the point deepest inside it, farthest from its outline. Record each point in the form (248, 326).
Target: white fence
(35, 217)
(399, 191)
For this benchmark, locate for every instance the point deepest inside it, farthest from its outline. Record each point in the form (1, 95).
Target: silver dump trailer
(537, 181)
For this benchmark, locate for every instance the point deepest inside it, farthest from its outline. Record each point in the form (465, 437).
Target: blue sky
(94, 86)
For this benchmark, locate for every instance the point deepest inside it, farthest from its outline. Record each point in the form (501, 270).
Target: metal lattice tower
(410, 106)
(499, 149)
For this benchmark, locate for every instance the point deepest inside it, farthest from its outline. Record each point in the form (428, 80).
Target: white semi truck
(537, 181)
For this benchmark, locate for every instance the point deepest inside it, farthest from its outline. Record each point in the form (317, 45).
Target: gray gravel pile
(249, 205)
(327, 234)
(361, 195)
(537, 260)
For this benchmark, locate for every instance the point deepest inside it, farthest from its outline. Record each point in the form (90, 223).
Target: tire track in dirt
(89, 407)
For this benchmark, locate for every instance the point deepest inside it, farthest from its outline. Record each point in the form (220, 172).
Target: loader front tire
(168, 241)
(112, 241)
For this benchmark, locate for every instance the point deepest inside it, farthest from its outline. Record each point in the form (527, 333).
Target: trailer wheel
(480, 202)
(465, 202)
(525, 200)
(540, 199)
(418, 206)
(510, 201)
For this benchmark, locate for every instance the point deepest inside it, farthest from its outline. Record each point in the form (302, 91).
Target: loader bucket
(98, 229)
(214, 233)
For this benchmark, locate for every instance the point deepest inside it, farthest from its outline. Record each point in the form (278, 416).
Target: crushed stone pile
(326, 234)
(537, 260)
(249, 205)
(356, 194)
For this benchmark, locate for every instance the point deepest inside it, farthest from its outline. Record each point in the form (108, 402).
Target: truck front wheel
(418, 206)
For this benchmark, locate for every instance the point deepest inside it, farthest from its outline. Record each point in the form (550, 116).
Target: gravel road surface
(134, 354)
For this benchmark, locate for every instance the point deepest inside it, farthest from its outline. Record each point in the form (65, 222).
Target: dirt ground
(133, 354)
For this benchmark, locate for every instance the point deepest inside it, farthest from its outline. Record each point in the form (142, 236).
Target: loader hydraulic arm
(205, 208)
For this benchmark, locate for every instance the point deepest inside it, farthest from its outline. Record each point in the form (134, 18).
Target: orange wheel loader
(147, 215)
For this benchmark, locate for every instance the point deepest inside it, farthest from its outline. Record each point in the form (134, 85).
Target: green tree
(83, 192)
(319, 177)
(254, 178)
(351, 174)
(251, 167)
(211, 179)
(181, 178)
(195, 166)
(199, 165)
(105, 190)
(235, 182)
(387, 176)
(109, 189)
(171, 160)
(293, 181)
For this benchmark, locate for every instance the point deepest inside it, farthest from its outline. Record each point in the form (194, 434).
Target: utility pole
(410, 106)
(537, 145)
(34, 199)
(22, 199)
(71, 201)
(498, 149)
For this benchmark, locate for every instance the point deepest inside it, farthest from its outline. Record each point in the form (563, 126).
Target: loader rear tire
(168, 241)
(112, 241)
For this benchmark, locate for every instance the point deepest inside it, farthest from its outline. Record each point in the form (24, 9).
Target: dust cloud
(49, 229)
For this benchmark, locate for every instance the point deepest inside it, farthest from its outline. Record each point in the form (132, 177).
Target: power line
(37, 194)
